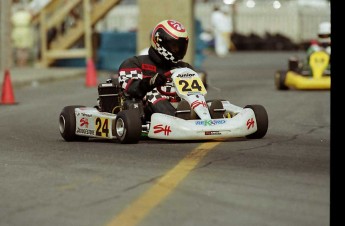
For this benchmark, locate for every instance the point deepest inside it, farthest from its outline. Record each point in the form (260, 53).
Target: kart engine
(109, 97)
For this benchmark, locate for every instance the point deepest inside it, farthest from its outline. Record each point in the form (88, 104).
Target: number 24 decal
(102, 128)
(189, 87)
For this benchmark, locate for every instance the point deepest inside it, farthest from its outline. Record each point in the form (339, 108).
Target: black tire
(184, 110)
(279, 80)
(261, 121)
(216, 109)
(128, 126)
(67, 124)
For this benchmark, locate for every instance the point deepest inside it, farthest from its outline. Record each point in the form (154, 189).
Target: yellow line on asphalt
(141, 207)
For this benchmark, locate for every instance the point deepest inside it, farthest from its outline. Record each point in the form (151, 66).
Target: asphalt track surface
(282, 179)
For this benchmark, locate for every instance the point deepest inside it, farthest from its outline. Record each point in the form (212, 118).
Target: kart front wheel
(279, 80)
(216, 109)
(261, 121)
(67, 124)
(128, 126)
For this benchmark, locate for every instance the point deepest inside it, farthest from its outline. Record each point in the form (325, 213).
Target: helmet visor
(178, 47)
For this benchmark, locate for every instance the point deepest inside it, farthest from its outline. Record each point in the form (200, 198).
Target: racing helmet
(170, 40)
(324, 33)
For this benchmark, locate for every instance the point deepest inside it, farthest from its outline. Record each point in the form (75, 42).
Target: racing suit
(135, 79)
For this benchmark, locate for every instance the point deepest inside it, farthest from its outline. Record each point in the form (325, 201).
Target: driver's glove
(158, 80)
(141, 87)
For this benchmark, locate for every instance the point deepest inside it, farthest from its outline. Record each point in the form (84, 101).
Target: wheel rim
(120, 127)
(62, 124)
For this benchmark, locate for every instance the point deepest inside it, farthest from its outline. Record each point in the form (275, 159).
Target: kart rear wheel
(279, 80)
(67, 124)
(261, 121)
(128, 126)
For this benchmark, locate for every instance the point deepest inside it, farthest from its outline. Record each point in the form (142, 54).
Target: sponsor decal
(86, 115)
(102, 127)
(149, 67)
(160, 128)
(84, 122)
(196, 103)
(86, 131)
(250, 123)
(185, 75)
(212, 133)
(211, 122)
(176, 25)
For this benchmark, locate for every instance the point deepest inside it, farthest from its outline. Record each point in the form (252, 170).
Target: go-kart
(313, 75)
(119, 117)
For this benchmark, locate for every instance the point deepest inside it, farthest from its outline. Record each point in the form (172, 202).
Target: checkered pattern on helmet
(166, 54)
(125, 76)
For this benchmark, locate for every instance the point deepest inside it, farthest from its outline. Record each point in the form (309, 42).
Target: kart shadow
(161, 141)
(147, 140)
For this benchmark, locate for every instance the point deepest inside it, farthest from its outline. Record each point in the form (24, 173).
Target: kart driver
(324, 39)
(323, 43)
(139, 76)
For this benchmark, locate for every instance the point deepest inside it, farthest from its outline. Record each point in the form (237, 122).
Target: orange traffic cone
(7, 96)
(91, 75)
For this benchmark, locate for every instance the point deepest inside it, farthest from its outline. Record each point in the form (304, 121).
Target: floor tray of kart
(195, 118)
(312, 76)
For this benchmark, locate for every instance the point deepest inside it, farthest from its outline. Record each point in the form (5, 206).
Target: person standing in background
(222, 28)
(22, 35)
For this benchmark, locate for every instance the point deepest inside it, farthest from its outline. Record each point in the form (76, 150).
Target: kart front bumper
(173, 128)
(303, 82)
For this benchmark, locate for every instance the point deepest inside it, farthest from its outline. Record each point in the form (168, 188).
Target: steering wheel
(169, 81)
